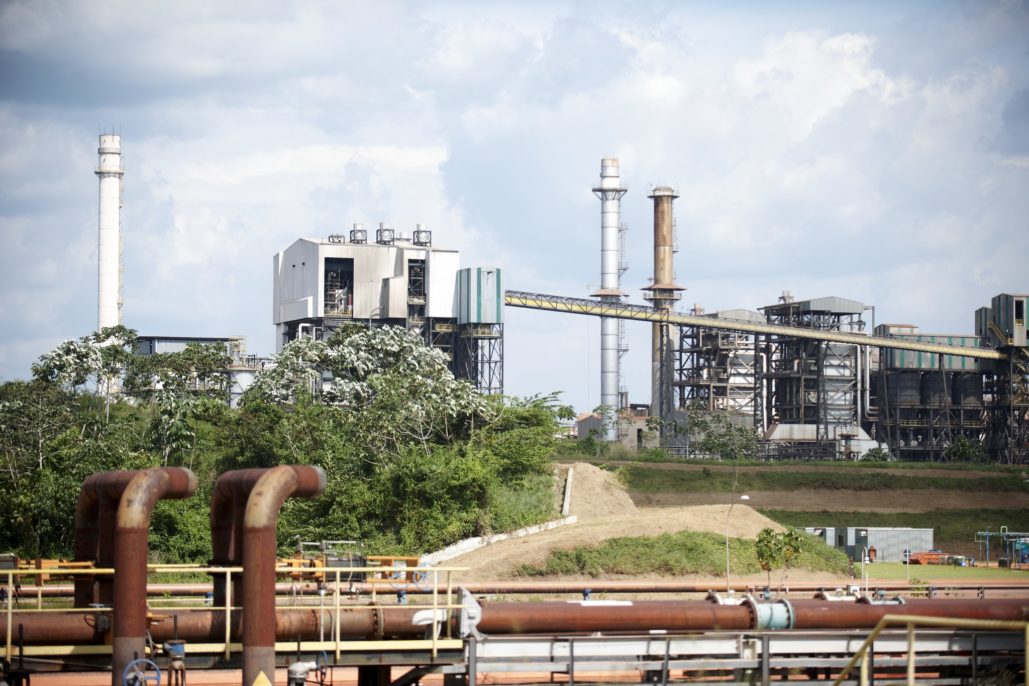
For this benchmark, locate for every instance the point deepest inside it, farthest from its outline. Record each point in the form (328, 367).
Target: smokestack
(109, 170)
(610, 192)
(663, 293)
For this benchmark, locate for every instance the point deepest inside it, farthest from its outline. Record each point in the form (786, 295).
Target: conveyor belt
(601, 308)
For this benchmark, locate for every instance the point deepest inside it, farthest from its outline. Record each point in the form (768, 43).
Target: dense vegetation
(684, 552)
(654, 480)
(415, 458)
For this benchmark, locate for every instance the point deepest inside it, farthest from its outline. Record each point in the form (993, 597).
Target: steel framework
(715, 369)
(1007, 392)
(480, 356)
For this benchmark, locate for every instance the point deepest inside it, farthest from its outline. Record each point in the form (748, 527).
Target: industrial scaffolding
(480, 356)
(809, 382)
(1006, 389)
(715, 369)
(926, 402)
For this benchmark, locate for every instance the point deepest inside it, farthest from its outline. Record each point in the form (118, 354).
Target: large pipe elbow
(274, 486)
(266, 498)
(132, 528)
(146, 488)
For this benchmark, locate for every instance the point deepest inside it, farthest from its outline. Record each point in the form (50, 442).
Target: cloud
(878, 155)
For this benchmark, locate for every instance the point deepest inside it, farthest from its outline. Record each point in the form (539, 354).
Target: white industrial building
(400, 280)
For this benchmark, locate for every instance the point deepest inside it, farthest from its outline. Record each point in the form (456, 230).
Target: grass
(656, 455)
(528, 501)
(685, 552)
(646, 480)
(895, 571)
(949, 526)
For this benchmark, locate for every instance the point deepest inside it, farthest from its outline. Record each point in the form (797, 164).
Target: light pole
(732, 502)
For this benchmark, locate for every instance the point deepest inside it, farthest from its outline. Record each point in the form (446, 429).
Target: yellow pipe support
(915, 620)
(601, 308)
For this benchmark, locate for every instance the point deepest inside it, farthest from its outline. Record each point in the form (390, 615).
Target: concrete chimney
(109, 242)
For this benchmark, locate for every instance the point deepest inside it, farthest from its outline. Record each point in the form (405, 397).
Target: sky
(876, 151)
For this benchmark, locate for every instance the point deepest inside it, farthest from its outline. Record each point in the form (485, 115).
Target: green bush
(684, 552)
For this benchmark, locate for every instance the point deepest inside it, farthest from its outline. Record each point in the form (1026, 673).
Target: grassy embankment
(954, 529)
(648, 480)
(895, 571)
(685, 552)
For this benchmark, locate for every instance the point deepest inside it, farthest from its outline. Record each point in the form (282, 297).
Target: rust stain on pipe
(557, 618)
(391, 621)
(132, 528)
(94, 532)
(208, 626)
(228, 505)
(267, 490)
(112, 523)
(815, 614)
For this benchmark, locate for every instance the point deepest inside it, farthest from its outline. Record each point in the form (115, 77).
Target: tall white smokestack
(109, 241)
(610, 192)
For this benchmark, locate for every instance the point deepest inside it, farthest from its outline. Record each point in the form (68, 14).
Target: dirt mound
(597, 493)
(500, 559)
(605, 511)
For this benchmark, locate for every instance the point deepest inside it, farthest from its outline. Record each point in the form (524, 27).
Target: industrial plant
(816, 378)
(805, 374)
(400, 280)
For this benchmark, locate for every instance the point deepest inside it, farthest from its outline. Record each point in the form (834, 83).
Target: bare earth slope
(604, 511)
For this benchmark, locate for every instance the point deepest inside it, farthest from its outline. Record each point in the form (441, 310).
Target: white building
(397, 280)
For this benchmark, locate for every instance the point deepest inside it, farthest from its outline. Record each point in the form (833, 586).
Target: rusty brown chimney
(663, 294)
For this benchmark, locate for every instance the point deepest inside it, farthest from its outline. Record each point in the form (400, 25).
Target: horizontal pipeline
(518, 587)
(378, 622)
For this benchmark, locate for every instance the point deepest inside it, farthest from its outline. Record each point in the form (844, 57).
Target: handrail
(910, 621)
(441, 606)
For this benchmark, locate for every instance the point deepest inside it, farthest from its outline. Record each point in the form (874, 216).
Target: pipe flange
(773, 616)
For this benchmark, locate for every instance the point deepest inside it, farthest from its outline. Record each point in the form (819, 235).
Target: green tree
(778, 550)
(719, 434)
(962, 449)
(876, 454)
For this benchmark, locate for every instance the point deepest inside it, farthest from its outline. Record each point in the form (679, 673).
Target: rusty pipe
(391, 621)
(523, 587)
(79, 627)
(815, 614)
(266, 497)
(551, 618)
(132, 528)
(559, 618)
(228, 505)
(94, 532)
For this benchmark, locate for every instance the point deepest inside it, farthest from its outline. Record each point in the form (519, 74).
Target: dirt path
(846, 501)
(604, 511)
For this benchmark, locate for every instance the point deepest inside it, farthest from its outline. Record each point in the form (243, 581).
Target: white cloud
(826, 151)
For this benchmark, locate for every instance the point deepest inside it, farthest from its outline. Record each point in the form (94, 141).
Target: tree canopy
(415, 458)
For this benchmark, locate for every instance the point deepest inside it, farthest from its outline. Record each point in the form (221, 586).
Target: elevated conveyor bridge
(601, 308)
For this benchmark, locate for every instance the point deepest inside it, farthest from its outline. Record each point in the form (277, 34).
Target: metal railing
(336, 581)
(864, 653)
